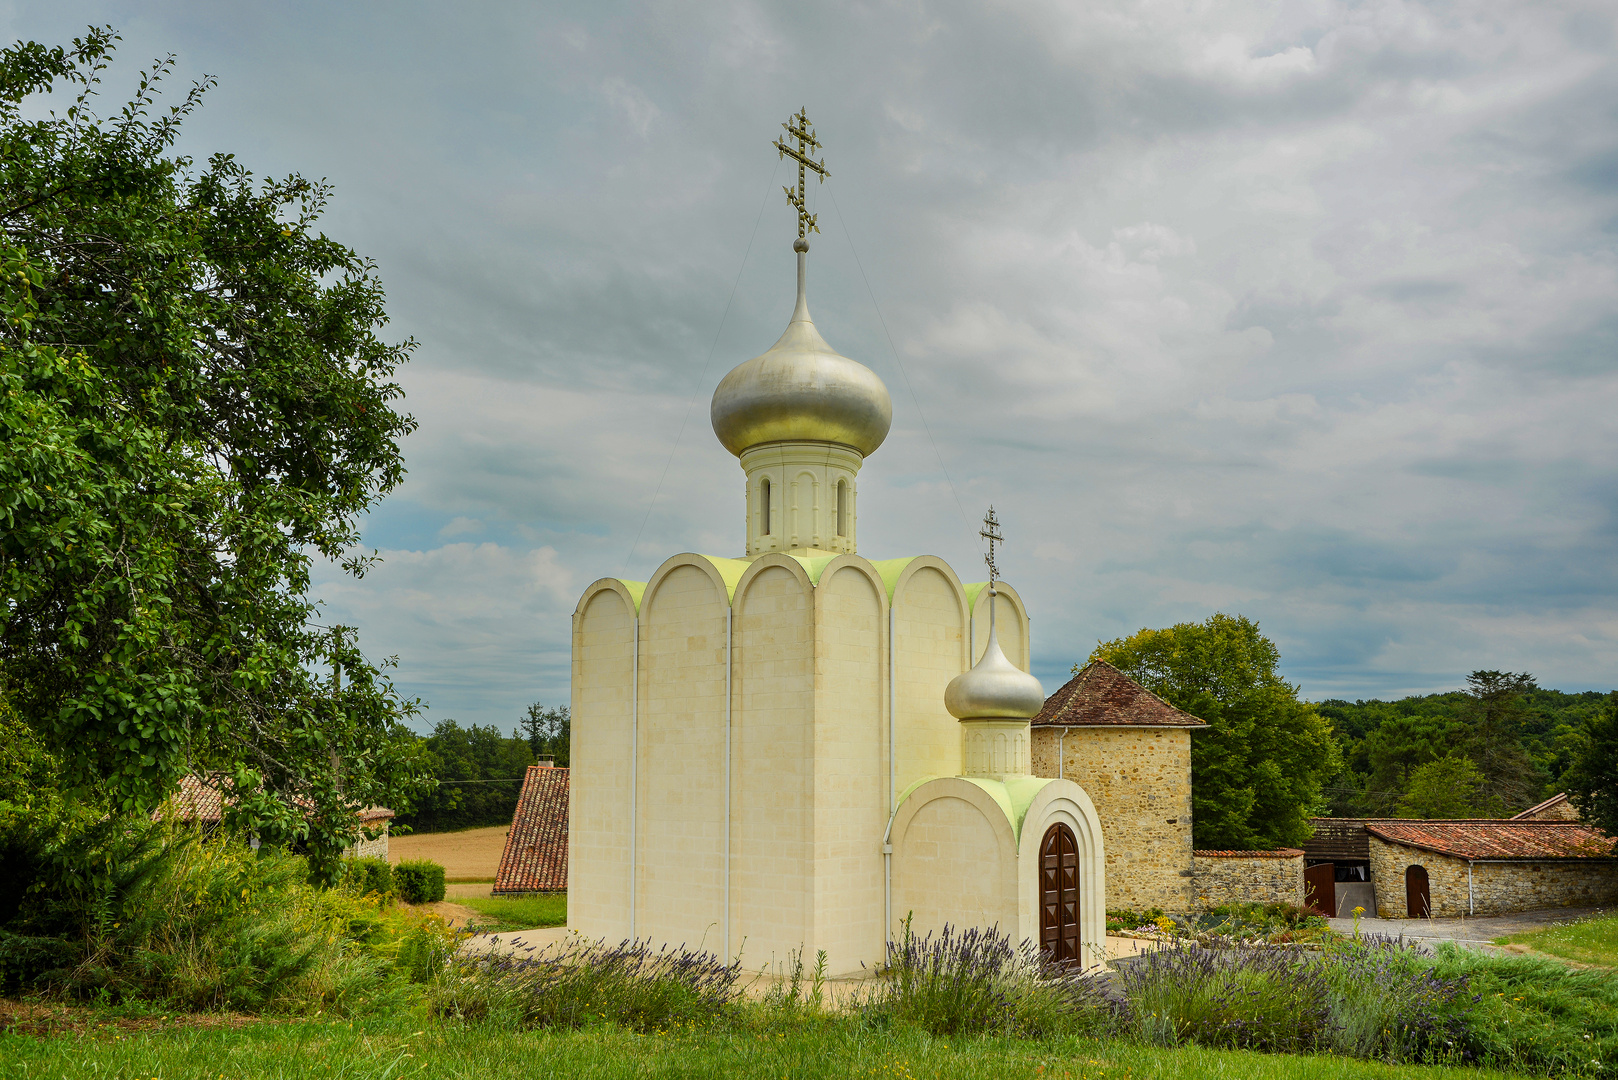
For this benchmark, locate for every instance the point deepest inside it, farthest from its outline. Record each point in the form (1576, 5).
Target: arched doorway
(1059, 894)
(1418, 900)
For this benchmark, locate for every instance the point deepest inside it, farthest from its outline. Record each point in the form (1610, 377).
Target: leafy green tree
(1401, 745)
(194, 403)
(549, 732)
(1495, 711)
(1257, 774)
(479, 773)
(1446, 787)
(1592, 782)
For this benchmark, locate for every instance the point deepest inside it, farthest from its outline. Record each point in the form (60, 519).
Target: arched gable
(1014, 638)
(928, 612)
(954, 859)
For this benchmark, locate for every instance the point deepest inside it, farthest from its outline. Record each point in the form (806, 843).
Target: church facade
(802, 749)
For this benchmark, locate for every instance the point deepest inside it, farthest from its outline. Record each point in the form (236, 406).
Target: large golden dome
(802, 390)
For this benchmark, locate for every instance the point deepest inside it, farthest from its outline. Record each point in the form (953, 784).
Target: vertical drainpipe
(1061, 753)
(893, 806)
(729, 622)
(1471, 905)
(634, 770)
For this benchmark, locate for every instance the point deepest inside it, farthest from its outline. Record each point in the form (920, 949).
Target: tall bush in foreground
(194, 403)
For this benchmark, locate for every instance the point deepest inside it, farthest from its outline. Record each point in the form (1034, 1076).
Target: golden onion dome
(995, 689)
(802, 390)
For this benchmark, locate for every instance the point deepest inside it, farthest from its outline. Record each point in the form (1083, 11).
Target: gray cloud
(1298, 310)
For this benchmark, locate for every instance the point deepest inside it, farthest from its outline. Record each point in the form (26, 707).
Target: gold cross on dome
(798, 128)
(991, 533)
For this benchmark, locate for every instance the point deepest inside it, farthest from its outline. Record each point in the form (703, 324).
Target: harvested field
(472, 853)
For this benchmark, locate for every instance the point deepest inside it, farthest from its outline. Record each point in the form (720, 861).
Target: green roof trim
(637, 589)
(890, 569)
(730, 572)
(1013, 797)
(972, 591)
(814, 567)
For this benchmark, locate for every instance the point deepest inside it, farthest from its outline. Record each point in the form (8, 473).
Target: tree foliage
(1256, 774)
(194, 402)
(1446, 787)
(1592, 782)
(480, 774)
(549, 732)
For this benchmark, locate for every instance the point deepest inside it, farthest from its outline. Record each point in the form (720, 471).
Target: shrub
(1387, 1001)
(579, 982)
(1237, 998)
(366, 876)
(977, 981)
(1125, 919)
(419, 881)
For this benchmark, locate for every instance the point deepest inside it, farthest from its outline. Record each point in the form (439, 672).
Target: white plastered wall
(929, 613)
(851, 798)
(598, 825)
(773, 764)
(954, 860)
(1011, 623)
(679, 862)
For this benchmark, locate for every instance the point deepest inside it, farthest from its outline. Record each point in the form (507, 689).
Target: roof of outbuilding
(1536, 811)
(1103, 696)
(203, 799)
(1508, 839)
(535, 859)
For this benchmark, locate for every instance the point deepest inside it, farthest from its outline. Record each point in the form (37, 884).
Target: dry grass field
(474, 853)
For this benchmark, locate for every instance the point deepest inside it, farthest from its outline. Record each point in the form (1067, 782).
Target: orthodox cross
(991, 533)
(798, 128)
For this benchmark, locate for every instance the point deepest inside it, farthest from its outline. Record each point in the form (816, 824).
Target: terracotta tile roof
(1278, 853)
(1555, 808)
(203, 799)
(1342, 839)
(1103, 696)
(535, 859)
(1508, 839)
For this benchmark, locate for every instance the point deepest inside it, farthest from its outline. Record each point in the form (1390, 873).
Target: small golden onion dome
(994, 689)
(802, 390)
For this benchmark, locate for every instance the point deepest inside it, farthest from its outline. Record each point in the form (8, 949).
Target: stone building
(1409, 868)
(202, 801)
(1445, 868)
(1131, 752)
(798, 748)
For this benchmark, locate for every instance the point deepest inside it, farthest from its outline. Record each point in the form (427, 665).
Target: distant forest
(1493, 749)
(480, 769)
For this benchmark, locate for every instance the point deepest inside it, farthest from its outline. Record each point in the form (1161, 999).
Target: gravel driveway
(1475, 932)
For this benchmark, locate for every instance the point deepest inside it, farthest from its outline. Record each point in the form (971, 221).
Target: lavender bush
(978, 982)
(1389, 1002)
(580, 983)
(1251, 998)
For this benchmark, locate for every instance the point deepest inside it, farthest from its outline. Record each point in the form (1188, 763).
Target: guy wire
(704, 374)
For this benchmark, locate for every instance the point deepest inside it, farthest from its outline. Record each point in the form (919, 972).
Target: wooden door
(1320, 889)
(1059, 894)
(1418, 900)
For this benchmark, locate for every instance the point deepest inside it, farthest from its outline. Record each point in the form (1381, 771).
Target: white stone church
(797, 747)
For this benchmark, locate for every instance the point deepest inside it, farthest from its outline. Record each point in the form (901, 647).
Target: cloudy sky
(1306, 311)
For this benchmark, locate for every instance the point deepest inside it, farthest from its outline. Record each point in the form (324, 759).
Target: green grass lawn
(1588, 941)
(504, 914)
(401, 1048)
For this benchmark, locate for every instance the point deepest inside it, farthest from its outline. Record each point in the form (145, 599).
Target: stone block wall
(1258, 877)
(370, 849)
(1496, 888)
(1140, 782)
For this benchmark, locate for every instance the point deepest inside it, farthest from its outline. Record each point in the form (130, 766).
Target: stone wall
(1140, 782)
(370, 849)
(1258, 877)
(1496, 888)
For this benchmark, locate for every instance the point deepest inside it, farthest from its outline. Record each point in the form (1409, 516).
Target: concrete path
(1474, 932)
